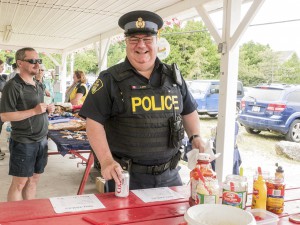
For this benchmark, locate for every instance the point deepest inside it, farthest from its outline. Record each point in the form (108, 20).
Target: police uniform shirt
(104, 99)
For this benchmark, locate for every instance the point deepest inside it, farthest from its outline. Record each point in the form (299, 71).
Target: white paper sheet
(76, 203)
(157, 194)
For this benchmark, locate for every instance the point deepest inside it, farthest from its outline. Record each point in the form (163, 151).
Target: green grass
(257, 150)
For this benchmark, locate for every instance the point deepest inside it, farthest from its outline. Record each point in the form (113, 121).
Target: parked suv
(274, 107)
(206, 93)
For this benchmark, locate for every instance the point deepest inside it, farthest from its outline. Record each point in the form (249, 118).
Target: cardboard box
(100, 184)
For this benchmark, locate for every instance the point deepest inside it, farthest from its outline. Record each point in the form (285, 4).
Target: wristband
(192, 137)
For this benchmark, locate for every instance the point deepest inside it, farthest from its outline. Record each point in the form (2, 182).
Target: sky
(280, 36)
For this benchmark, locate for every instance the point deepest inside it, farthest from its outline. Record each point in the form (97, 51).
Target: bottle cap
(279, 169)
(241, 171)
(260, 176)
(204, 156)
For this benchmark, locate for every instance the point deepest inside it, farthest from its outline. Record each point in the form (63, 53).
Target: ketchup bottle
(203, 165)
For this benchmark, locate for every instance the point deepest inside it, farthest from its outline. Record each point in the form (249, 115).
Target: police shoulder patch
(97, 86)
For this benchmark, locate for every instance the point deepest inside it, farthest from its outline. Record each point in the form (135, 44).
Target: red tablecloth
(131, 210)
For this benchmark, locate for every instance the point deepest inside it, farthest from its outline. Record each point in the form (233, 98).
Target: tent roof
(65, 25)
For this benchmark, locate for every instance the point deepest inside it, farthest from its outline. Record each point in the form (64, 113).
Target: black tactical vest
(141, 131)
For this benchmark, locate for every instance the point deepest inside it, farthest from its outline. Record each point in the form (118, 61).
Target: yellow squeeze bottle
(259, 197)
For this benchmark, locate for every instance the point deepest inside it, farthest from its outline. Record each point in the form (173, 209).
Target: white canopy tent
(63, 26)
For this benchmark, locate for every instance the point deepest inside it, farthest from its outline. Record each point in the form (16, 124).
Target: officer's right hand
(199, 144)
(110, 169)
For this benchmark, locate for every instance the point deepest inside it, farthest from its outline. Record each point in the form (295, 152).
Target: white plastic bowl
(217, 214)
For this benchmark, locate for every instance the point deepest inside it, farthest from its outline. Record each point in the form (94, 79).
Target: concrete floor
(62, 175)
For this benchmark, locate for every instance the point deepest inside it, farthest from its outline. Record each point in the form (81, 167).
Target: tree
(116, 53)
(289, 71)
(7, 56)
(48, 63)
(86, 61)
(251, 52)
(257, 64)
(193, 50)
(269, 65)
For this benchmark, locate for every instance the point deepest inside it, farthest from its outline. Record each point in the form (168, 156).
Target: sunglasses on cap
(33, 61)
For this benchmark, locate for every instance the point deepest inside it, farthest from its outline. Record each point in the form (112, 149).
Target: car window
(239, 88)
(293, 97)
(198, 87)
(265, 94)
(215, 88)
(188, 83)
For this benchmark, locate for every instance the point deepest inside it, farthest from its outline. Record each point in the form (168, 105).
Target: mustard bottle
(259, 197)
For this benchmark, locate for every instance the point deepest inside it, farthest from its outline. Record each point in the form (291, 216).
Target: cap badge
(140, 23)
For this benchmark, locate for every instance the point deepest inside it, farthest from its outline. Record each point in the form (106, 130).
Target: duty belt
(130, 166)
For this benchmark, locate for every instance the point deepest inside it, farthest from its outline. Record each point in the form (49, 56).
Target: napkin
(193, 155)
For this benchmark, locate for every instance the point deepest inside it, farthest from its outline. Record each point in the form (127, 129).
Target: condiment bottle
(207, 191)
(279, 173)
(275, 194)
(259, 197)
(235, 190)
(194, 180)
(203, 165)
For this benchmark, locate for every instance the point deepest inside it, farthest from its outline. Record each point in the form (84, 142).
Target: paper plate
(210, 214)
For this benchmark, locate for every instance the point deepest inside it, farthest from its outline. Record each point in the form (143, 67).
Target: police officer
(136, 111)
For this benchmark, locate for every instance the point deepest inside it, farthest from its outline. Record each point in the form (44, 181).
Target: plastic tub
(217, 214)
(264, 217)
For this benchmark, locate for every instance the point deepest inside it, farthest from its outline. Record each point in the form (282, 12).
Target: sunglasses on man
(33, 61)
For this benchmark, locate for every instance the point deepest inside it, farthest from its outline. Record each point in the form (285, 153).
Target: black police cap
(140, 21)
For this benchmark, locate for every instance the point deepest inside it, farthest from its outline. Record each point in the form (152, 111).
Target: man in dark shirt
(23, 104)
(135, 111)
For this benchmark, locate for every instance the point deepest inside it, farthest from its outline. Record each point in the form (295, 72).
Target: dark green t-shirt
(18, 96)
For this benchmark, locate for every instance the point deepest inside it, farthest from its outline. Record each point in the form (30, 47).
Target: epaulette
(172, 70)
(118, 74)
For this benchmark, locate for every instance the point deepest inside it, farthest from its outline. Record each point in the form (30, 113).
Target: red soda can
(122, 190)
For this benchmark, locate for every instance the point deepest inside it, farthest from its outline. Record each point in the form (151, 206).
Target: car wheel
(252, 131)
(294, 132)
